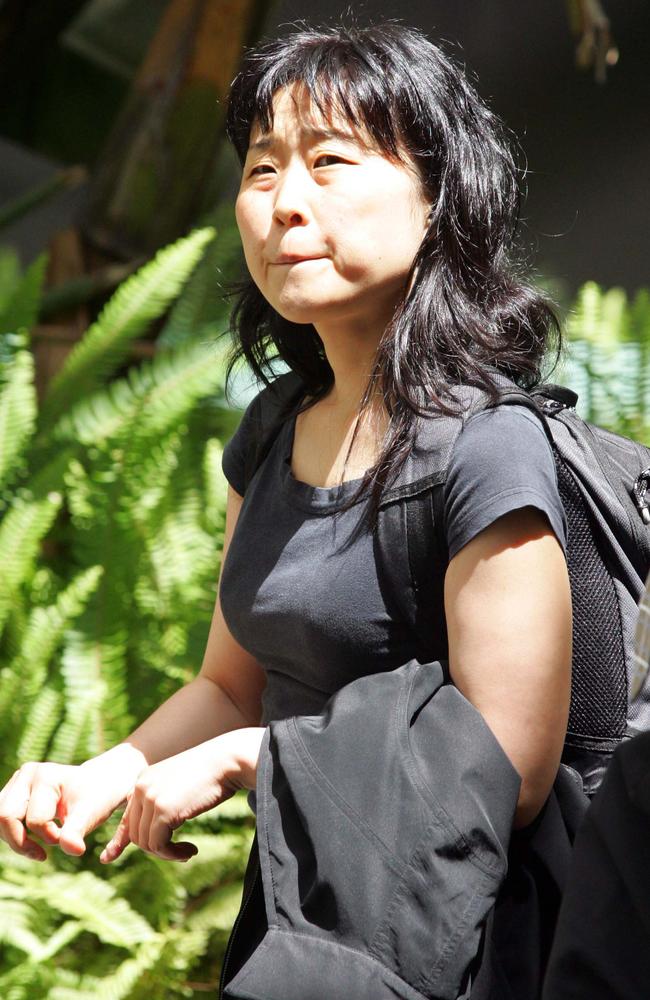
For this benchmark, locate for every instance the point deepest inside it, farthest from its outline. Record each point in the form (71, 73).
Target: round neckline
(314, 498)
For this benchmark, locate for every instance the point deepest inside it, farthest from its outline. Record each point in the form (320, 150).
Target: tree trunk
(148, 183)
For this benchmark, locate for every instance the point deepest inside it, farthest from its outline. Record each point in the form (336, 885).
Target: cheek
(249, 226)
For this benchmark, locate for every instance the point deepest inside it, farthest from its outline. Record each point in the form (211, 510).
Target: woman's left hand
(176, 789)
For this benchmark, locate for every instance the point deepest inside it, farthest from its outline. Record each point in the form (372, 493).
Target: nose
(291, 202)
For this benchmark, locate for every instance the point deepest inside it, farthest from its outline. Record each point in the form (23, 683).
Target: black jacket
(384, 830)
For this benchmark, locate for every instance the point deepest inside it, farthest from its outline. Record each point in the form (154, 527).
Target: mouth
(294, 259)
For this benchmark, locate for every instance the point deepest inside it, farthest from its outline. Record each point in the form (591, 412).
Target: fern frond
(21, 531)
(42, 720)
(221, 857)
(94, 903)
(150, 401)
(24, 982)
(137, 302)
(152, 884)
(216, 486)
(219, 911)
(86, 663)
(46, 626)
(17, 412)
(202, 308)
(58, 940)
(16, 926)
(21, 309)
(119, 984)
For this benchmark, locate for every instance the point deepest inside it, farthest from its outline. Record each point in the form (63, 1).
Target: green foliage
(204, 310)
(17, 411)
(19, 296)
(112, 507)
(141, 299)
(608, 358)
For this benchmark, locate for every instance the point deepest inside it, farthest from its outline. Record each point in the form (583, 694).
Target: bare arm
(223, 697)
(508, 609)
(218, 711)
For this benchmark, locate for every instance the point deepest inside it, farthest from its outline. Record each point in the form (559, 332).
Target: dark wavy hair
(469, 313)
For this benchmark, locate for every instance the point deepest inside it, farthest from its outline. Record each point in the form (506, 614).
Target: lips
(291, 258)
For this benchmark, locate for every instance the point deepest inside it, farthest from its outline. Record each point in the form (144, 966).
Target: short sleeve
(502, 461)
(257, 422)
(237, 451)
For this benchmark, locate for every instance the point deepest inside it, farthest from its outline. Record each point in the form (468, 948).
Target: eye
(328, 156)
(260, 168)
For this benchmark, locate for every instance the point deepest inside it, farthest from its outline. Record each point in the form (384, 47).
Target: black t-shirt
(310, 608)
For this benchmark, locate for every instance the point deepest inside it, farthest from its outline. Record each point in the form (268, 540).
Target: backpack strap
(411, 533)
(425, 519)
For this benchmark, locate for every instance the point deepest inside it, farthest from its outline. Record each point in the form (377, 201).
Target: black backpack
(603, 480)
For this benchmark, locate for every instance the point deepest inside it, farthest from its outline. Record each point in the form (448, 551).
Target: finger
(71, 840)
(135, 813)
(146, 821)
(78, 820)
(120, 838)
(42, 807)
(183, 850)
(15, 800)
(163, 846)
(160, 842)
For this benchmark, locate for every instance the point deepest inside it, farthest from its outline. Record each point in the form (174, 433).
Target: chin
(300, 312)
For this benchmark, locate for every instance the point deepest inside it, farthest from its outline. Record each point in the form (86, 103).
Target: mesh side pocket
(599, 683)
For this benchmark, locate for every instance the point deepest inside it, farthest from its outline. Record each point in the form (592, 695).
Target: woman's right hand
(80, 796)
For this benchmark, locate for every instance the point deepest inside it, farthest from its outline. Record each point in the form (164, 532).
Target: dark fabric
(352, 611)
(427, 842)
(293, 570)
(520, 932)
(250, 926)
(501, 461)
(601, 949)
(380, 879)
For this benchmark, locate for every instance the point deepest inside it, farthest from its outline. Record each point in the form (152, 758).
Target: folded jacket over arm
(383, 827)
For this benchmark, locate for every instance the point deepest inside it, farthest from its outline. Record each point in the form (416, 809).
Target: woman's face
(329, 224)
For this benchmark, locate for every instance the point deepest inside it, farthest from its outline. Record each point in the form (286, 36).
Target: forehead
(295, 110)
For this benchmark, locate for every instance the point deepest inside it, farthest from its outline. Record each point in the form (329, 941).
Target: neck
(350, 348)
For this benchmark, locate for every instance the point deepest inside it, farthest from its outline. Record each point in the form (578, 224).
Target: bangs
(342, 80)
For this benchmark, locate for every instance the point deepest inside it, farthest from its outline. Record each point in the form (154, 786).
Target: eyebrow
(311, 132)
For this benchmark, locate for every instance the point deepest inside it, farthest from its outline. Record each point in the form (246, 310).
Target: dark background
(587, 145)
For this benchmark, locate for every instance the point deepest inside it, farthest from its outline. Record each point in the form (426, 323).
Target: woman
(377, 207)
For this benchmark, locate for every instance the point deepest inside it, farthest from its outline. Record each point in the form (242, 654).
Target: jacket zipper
(233, 933)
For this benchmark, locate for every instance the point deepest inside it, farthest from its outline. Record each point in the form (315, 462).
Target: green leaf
(9, 276)
(150, 401)
(219, 911)
(45, 626)
(86, 663)
(221, 858)
(202, 308)
(43, 718)
(21, 531)
(20, 309)
(16, 920)
(138, 301)
(94, 903)
(17, 412)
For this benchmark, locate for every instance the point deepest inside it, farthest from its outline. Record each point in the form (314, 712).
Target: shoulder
(268, 408)
(504, 425)
(501, 461)
(272, 402)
